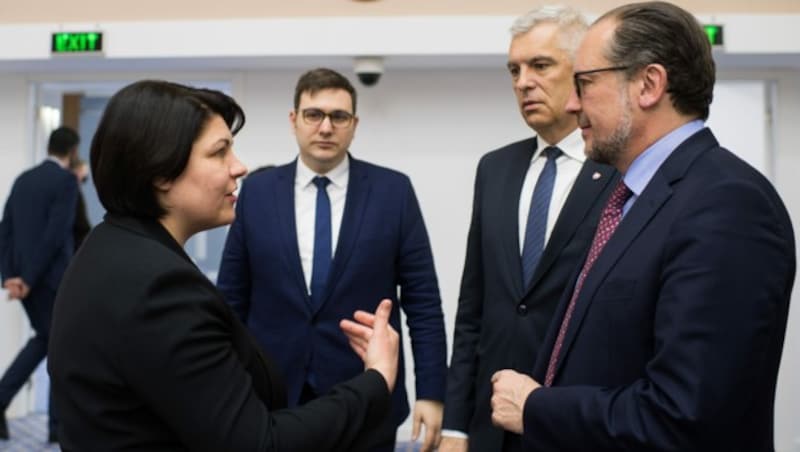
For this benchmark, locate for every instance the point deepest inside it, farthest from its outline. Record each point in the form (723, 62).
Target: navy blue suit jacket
(501, 323)
(36, 231)
(676, 337)
(382, 244)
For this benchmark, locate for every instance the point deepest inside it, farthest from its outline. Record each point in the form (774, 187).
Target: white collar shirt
(305, 207)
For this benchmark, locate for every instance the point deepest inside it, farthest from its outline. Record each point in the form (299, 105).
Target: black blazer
(145, 355)
(499, 323)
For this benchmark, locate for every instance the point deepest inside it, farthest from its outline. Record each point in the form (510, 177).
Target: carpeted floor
(29, 434)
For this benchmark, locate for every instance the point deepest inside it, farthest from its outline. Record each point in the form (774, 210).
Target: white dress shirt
(568, 165)
(305, 208)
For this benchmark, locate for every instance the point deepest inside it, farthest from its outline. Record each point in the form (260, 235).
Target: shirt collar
(57, 161)
(572, 146)
(647, 163)
(338, 175)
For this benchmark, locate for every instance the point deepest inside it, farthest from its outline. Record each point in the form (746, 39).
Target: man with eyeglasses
(318, 238)
(670, 335)
(535, 205)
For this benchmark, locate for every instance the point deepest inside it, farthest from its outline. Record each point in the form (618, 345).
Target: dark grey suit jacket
(500, 324)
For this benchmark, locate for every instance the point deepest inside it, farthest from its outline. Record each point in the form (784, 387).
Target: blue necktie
(537, 216)
(322, 242)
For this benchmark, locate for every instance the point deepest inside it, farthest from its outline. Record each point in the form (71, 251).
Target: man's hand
(375, 341)
(429, 414)
(452, 444)
(510, 390)
(16, 287)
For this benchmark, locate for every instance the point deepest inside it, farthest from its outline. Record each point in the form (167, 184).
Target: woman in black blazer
(144, 354)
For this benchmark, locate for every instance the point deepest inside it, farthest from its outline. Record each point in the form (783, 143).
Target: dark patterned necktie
(609, 220)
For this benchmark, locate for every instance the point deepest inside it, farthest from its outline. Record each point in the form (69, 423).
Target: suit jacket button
(522, 309)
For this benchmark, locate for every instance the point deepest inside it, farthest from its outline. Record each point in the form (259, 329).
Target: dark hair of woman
(146, 135)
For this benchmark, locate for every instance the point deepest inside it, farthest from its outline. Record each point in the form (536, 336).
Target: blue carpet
(29, 434)
(408, 446)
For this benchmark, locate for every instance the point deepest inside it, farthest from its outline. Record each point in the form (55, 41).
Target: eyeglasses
(315, 116)
(579, 82)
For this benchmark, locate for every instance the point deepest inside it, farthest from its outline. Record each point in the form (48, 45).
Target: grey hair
(571, 22)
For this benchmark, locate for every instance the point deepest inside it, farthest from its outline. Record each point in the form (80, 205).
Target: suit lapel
(590, 183)
(642, 211)
(509, 224)
(358, 192)
(655, 194)
(284, 201)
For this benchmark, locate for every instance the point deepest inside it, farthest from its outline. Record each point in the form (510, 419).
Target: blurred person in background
(36, 244)
(82, 224)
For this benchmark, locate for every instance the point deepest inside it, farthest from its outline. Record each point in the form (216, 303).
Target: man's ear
(292, 120)
(653, 87)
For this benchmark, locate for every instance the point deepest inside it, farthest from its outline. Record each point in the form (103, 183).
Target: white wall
(15, 154)
(786, 166)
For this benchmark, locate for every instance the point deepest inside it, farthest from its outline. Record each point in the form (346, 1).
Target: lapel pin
(596, 175)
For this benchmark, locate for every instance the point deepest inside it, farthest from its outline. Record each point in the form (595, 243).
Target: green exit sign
(77, 42)
(714, 33)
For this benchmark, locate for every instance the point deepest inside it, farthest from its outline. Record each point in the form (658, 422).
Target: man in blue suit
(35, 248)
(325, 235)
(670, 337)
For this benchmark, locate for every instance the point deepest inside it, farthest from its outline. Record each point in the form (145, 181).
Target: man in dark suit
(671, 336)
(325, 235)
(35, 247)
(535, 205)
(82, 224)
